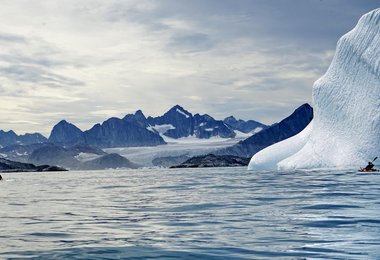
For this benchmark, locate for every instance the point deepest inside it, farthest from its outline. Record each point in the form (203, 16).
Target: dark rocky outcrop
(109, 161)
(12, 166)
(169, 160)
(212, 160)
(48, 168)
(288, 127)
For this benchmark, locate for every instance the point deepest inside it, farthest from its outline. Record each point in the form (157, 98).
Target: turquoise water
(228, 213)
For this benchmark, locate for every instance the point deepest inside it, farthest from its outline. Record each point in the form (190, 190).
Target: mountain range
(11, 138)
(70, 147)
(135, 130)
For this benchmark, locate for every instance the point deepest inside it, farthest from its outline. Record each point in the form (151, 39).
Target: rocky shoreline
(11, 166)
(212, 160)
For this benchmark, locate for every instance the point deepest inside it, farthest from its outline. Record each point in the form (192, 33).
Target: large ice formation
(345, 131)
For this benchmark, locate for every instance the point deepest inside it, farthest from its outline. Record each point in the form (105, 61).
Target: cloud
(32, 74)
(11, 38)
(89, 60)
(193, 42)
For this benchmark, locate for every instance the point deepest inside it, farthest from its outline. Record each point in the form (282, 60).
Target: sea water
(228, 213)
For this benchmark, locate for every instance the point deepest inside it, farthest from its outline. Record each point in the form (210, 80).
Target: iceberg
(345, 130)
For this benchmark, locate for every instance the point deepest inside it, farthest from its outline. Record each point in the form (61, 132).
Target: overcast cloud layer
(85, 61)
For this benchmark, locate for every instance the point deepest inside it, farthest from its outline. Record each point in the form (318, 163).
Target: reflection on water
(190, 213)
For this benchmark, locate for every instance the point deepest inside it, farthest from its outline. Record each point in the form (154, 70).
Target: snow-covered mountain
(136, 130)
(345, 131)
(180, 120)
(179, 123)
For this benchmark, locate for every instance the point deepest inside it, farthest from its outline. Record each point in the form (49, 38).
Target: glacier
(345, 131)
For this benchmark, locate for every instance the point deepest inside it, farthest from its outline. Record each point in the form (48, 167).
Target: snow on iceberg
(345, 131)
(268, 158)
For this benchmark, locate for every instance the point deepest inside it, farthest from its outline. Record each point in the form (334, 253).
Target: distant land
(139, 141)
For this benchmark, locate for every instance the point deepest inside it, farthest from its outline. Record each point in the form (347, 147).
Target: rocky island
(11, 166)
(212, 160)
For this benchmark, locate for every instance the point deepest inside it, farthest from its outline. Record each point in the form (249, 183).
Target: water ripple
(217, 213)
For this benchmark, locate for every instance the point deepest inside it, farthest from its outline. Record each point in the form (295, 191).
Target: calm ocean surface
(228, 213)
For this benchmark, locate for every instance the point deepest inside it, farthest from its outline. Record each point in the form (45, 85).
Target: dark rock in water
(11, 166)
(109, 161)
(66, 133)
(288, 127)
(169, 161)
(47, 168)
(7, 165)
(212, 160)
(243, 126)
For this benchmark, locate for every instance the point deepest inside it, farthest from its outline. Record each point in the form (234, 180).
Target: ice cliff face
(345, 131)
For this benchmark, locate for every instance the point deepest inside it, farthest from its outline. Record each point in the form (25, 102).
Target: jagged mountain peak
(180, 110)
(65, 132)
(10, 132)
(11, 138)
(204, 117)
(64, 122)
(139, 113)
(231, 118)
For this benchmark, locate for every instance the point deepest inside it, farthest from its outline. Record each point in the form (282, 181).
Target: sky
(86, 61)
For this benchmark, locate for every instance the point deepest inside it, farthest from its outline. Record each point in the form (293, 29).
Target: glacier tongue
(345, 131)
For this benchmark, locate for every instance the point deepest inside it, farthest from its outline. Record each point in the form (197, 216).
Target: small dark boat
(369, 167)
(364, 170)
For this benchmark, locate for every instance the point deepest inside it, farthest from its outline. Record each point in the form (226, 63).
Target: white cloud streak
(86, 61)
